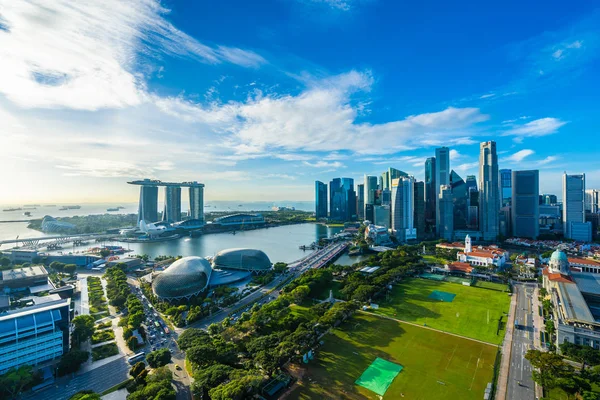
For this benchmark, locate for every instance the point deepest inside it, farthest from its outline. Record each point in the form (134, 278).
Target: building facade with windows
(489, 187)
(574, 225)
(320, 200)
(35, 334)
(525, 211)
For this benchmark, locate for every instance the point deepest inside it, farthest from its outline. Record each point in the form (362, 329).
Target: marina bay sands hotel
(148, 207)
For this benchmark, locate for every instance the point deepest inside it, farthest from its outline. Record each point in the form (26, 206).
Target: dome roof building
(242, 259)
(185, 278)
(559, 263)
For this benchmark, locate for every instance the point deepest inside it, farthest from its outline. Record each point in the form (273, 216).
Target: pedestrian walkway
(506, 350)
(538, 321)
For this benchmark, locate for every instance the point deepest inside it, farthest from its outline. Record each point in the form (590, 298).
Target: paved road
(98, 380)
(520, 384)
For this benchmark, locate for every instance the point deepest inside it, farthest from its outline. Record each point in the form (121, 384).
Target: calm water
(279, 243)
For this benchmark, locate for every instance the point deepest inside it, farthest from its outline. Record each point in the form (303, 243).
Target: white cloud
(547, 160)
(519, 155)
(485, 96)
(538, 127)
(557, 54)
(323, 164)
(465, 167)
(86, 55)
(454, 155)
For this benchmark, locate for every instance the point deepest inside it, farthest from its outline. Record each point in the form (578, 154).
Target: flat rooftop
(22, 273)
(573, 303)
(153, 182)
(44, 303)
(587, 283)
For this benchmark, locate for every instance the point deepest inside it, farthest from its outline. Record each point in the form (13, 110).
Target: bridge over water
(54, 241)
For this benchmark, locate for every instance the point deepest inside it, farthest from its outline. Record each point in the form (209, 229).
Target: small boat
(113, 209)
(27, 214)
(12, 209)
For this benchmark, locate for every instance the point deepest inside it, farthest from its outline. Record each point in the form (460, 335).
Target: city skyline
(118, 92)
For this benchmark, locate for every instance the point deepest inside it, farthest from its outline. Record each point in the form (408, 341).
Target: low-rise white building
(378, 234)
(482, 256)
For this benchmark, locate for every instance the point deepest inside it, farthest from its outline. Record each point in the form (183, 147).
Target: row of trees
(155, 385)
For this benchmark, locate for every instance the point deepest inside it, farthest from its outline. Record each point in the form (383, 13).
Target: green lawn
(502, 287)
(435, 260)
(466, 315)
(435, 365)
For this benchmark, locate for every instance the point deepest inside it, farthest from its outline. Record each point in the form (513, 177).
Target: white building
(378, 234)
(482, 256)
(403, 208)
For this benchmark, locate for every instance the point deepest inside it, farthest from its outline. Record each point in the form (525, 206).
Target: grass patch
(100, 316)
(435, 365)
(104, 325)
(104, 351)
(501, 287)
(428, 259)
(103, 336)
(121, 385)
(466, 315)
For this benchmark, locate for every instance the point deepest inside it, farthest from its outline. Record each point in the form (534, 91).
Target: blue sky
(259, 99)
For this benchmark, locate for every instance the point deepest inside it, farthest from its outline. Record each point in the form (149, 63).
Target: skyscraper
(370, 189)
(335, 199)
(360, 201)
(460, 201)
(403, 208)
(394, 173)
(442, 176)
(381, 216)
(525, 212)
(349, 199)
(592, 203)
(148, 206)
(320, 200)
(419, 209)
(430, 193)
(574, 225)
(505, 187)
(197, 202)
(489, 198)
(172, 210)
(445, 214)
(385, 180)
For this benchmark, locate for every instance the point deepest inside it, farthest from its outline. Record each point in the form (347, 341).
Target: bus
(136, 357)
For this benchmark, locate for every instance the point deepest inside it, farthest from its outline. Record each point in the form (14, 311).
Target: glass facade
(172, 212)
(459, 201)
(148, 207)
(506, 186)
(320, 200)
(430, 191)
(197, 203)
(525, 205)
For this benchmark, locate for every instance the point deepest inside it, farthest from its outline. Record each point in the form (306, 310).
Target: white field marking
(452, 356)
(469, 363)
(476, 368)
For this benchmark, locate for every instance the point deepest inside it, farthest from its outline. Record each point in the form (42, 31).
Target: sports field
(466, 315)
(434, 365)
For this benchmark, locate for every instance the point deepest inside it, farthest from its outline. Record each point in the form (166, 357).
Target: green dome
(558, 256)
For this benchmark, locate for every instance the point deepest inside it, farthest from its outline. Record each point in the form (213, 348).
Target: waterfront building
(35, 334)
(381, 216)
(196, 194)
(148, 206)
(419, 209)
(574, 225)
(481, 256)
(360, 201)
(525, 206)
(442, 178)
(506, 179)
(335, 199)
(574, 292)
(242, 259)
(349, 199)
(489, 199)
(592, 200)
(185, 278)
(445, 213)
(239, 220)
(430, 193)
(378, 234)
(320, 200)
(172, 210)
(403, 209)
(52, 225)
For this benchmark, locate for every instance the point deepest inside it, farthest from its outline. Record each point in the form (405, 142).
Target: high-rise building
(360, 201)
(460, 200)
(505, 187)
(381, 216)
(430, 193)
(403, 209)
(445, 214)
(320, 200)
(172, 210)
(550, 199)
(349, 196)
(379, 183)
(489, 197)
(370, 212)
(197, 202)
(592, 197)
(148, 205)
(335, 199)
(385, 180)
(370, 189)
(525, 212)
(342, 199)
(386, 197)
(419, 207)
(394, 173)
(442, 177)
(574, 225)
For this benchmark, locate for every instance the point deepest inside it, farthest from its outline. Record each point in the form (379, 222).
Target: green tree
(135, 320)
(154, 391)
(85, 395)
(15, 380)
(210, 377)
(193, 337)
(300, 293)
(237, 389)
(202, 355)
(70, 269)
(104, 253)
(4, 261)
(137, 369)
(83, 328)
(363, 292)
(549, 367)
(160, 374)
(71, 361)
(159, 358)
(132, 343)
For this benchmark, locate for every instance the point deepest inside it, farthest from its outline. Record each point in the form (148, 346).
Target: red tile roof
(460, 266)
(584, 261)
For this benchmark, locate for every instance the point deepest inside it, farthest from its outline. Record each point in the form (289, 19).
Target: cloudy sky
(259, 99)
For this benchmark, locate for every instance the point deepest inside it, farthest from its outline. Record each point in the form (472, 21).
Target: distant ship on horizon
(64, 208)
(12, 209)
